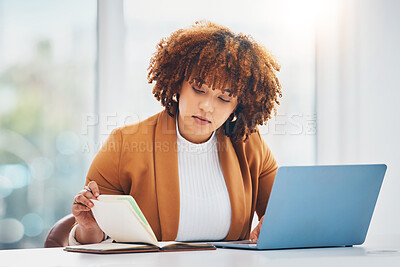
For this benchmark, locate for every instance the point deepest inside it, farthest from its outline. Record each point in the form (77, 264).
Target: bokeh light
(11, 230)
(6, 187)
(18, 174)
(41, 168)
(33, 224)
(3, 207)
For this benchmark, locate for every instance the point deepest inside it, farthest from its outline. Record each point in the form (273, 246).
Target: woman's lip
(201, 118)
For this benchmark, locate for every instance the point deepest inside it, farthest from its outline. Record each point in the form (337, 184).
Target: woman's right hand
(81, 208)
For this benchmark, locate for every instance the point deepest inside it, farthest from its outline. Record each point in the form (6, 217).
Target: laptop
(318, 206)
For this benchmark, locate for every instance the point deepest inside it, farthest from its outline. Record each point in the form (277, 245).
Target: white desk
(382, 251)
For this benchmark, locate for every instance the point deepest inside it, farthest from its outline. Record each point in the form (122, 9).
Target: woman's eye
(202, 92)
(224, 100)
(197, 91)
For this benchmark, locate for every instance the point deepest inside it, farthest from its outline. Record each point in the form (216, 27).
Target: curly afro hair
(212, 54)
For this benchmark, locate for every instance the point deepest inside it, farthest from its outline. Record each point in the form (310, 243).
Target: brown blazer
(141, 160)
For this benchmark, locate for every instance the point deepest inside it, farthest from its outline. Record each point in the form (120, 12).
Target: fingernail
(96, 194)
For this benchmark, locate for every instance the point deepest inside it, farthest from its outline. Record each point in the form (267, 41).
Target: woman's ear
(176, 98)
(232, 117)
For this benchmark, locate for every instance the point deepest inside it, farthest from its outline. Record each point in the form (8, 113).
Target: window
(47, 77)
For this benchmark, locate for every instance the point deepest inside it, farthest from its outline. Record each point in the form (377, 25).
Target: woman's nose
(207, 105)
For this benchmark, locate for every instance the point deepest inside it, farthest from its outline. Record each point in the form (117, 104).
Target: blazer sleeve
(104, 169)
(266, 178)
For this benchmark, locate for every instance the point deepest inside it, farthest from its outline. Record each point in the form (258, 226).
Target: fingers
(254, 234)
(81, 204)
(84, 196)
(77, 208)
(256, 231)
(82, 200)
(95, 189)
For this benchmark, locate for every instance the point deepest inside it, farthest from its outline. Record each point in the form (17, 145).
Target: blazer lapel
(167, 175)
(234, 183)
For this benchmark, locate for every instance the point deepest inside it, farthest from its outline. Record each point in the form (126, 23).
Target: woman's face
(203, 110)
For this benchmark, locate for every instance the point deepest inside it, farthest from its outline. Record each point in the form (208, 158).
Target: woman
(199, 169)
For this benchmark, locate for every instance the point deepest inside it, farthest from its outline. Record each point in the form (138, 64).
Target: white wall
(358, 93)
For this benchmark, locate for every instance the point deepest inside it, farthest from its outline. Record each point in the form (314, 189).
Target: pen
(87, 188)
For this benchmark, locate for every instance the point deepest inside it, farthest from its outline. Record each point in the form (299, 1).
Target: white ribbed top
(205, 208)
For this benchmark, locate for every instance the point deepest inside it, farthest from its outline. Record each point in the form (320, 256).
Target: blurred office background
(71, 71)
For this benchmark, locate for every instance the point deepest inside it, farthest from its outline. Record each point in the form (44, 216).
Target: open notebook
(120, 218)
(113, 247)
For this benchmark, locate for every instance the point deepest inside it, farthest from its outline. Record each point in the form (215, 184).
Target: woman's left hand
(256, 231)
